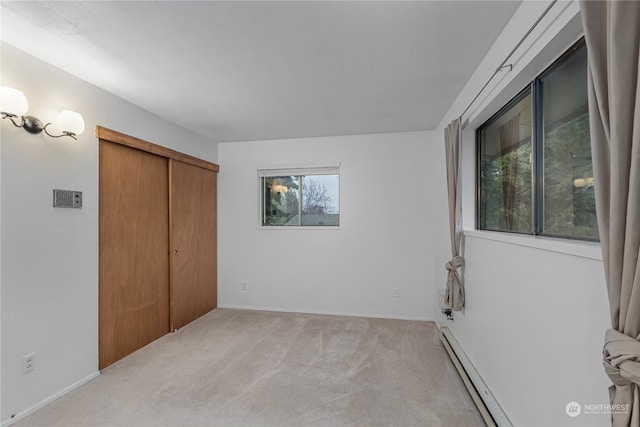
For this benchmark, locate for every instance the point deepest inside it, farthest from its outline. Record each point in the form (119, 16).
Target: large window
(534, 157)
(300, 197)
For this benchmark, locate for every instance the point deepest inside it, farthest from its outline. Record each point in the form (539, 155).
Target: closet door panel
(193, 242)
(133, 250)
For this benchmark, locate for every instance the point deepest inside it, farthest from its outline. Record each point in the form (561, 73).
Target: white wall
(383, 241)
(49, 275)
(536, 309)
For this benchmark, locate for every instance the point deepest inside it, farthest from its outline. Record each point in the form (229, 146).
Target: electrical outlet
(396, 292)
(28, 363)
(245, 286)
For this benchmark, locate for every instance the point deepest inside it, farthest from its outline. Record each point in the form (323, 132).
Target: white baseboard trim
(22, 414)
(326, 313)
(487, 404)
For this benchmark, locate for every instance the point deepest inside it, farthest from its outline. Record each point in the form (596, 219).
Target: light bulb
(13, 101)
(70, 122)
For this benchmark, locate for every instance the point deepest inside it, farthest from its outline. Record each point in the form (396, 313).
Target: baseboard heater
(489, 408)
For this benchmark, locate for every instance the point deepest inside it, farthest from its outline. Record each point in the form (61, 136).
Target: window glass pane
(569, 201)
(280, 200)
(505, 202)
(321, 200)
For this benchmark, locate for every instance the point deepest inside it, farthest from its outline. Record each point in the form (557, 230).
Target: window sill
(590, 250)
(297, 227)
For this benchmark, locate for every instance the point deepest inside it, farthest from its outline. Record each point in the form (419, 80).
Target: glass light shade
(13, 101)
(70, 121)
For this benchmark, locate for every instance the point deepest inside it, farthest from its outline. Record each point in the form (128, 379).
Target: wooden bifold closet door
(157, 242)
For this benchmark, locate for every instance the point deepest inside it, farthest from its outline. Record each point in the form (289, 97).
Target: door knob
(175, 251)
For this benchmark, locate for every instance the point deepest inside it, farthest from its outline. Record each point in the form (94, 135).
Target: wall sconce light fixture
(14, 106)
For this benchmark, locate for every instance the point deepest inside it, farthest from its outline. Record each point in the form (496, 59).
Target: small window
(300, 197)
(535, 174)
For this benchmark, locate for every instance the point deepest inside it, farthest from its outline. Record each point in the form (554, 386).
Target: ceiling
(240, 70)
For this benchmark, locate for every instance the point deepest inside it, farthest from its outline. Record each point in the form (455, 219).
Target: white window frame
(321, 169)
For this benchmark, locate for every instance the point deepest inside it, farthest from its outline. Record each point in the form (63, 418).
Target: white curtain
(454, 294)
(612, 33)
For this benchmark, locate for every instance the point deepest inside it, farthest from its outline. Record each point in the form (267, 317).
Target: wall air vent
(67, 199)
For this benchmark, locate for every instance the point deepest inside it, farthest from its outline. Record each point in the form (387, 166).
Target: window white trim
(299, 227)
(321, 169)
(583, 249)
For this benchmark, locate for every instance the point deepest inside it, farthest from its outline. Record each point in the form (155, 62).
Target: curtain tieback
(454, 294)
(455, 263)
(621, 356)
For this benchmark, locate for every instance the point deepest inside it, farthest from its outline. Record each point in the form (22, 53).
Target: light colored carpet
(253, 368)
